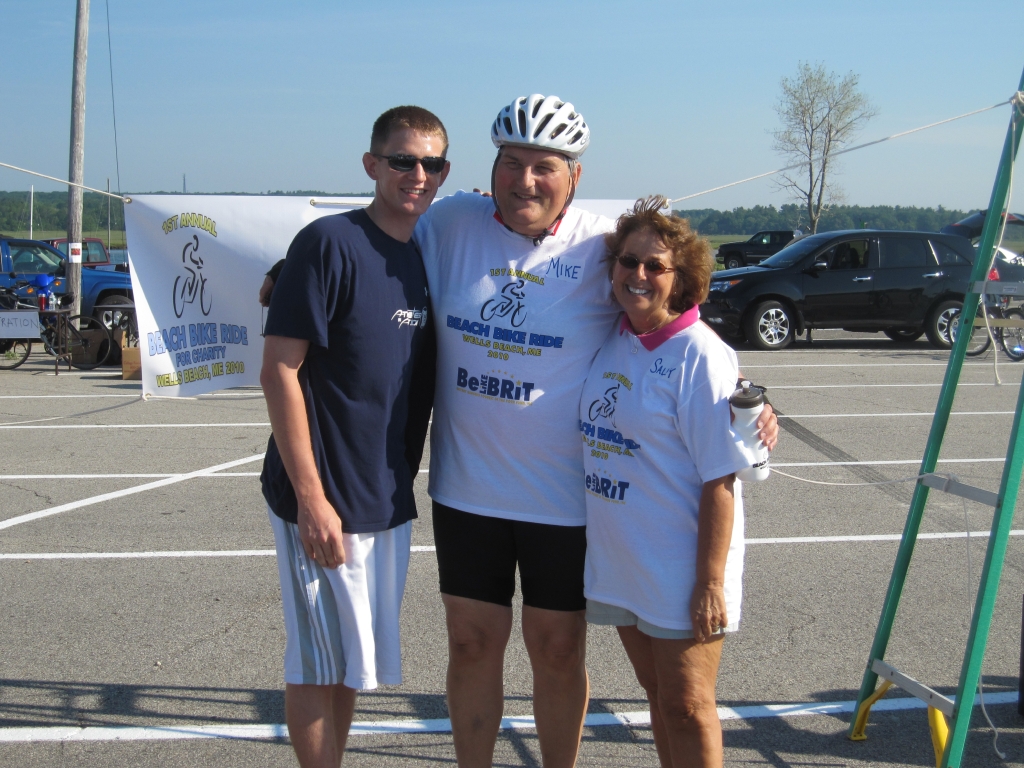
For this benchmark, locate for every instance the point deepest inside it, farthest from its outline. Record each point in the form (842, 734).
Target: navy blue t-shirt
(360, 298)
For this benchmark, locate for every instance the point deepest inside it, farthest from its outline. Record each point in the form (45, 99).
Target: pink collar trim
(652, 341)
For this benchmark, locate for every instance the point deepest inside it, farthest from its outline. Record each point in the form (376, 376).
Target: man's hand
(481, 192)
(768, 423)
(265, 290)
(320, 532)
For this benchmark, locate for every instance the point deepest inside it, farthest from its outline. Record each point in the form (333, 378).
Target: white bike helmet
(542, 122)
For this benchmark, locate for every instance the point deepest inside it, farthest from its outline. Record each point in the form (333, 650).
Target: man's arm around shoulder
(319, 523)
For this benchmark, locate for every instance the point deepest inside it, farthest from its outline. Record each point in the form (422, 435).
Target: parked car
(43, 266)
(902, 283)
(971, 226)
(756, 249)
(94, 253)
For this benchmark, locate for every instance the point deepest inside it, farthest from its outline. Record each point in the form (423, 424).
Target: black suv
(757, 248)
(902, 283)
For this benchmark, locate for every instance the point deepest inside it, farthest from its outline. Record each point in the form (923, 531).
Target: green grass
(117, 239)
(718, 240)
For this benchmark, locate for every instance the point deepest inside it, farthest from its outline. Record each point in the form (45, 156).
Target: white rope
(851, 485)
(1017, 100)
(63, 181)
(74, 415)
(970, 617)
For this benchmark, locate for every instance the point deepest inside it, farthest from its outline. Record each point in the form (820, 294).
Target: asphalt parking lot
(142, 622)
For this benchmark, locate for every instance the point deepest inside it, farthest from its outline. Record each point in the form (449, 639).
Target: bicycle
(194, 285)
(511, 304)
(605, 407)
(1011, 339)
(13, 352)
(86, 344)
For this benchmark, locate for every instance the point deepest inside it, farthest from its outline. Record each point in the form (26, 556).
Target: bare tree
(820, 113)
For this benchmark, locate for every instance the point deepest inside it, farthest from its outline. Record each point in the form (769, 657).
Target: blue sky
(258, 95)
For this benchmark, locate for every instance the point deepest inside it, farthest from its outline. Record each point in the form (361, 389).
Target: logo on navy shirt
(415, 318)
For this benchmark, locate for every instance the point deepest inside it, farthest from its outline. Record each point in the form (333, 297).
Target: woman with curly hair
(664, 512)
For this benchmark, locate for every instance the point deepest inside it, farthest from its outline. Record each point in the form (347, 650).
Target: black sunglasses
(654, 266)
(406, 163)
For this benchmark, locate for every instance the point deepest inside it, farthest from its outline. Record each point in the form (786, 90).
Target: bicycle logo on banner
(187, 288)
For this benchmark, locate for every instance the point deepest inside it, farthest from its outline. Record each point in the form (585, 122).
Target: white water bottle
(747, 402)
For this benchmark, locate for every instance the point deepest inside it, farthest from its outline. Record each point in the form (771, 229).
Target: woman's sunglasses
(405, 163)
(653, 267)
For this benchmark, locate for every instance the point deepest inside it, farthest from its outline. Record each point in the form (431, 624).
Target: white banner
(197, 264)
(19, 324)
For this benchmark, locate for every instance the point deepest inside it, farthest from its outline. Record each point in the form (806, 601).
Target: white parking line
(888, 415)
(269, 552)
(149, 555)
(443, 725)
(138, 426)
(882, 386)
(125, 492)
(863, 365)
(910, 462)
(133, 397)
(116, 476)
(267, 423)
(64, 397)
(779, 464)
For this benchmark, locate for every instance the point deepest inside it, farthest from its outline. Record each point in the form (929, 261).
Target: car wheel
(769, 326)
(732, 261)
(904, 335)
(942, 324)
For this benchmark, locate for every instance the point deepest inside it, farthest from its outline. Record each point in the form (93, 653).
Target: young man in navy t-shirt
(348, 372)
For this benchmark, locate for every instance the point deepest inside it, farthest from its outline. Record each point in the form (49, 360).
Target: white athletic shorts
(342, 623)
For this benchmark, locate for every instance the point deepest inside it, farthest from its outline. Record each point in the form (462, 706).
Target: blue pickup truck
(43, 266)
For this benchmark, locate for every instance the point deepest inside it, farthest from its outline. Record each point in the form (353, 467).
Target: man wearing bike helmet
(522, 303)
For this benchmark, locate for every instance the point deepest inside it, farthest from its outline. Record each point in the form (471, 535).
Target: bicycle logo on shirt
(511, 305)
(605, 406)
(187, 288)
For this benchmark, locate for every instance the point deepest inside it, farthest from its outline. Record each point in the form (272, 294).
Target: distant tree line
(747, 221)
(50, 211)
(51, 214)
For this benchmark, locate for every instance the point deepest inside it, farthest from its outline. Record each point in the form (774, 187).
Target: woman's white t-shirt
(518, 326)
(655, 427)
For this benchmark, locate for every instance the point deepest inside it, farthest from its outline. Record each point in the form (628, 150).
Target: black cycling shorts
(477, 558)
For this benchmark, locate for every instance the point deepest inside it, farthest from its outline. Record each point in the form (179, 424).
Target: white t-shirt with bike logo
(655, 426)
(518, 326)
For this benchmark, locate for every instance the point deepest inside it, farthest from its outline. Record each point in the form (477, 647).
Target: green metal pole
(984, 606)
(995, 554)
(941, 419)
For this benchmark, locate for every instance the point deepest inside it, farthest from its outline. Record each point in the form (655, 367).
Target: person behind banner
(664, 516)
(348, 373)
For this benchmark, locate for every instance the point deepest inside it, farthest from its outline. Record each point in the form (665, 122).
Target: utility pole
(108, 217)
(76, 172)
(31, 208)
